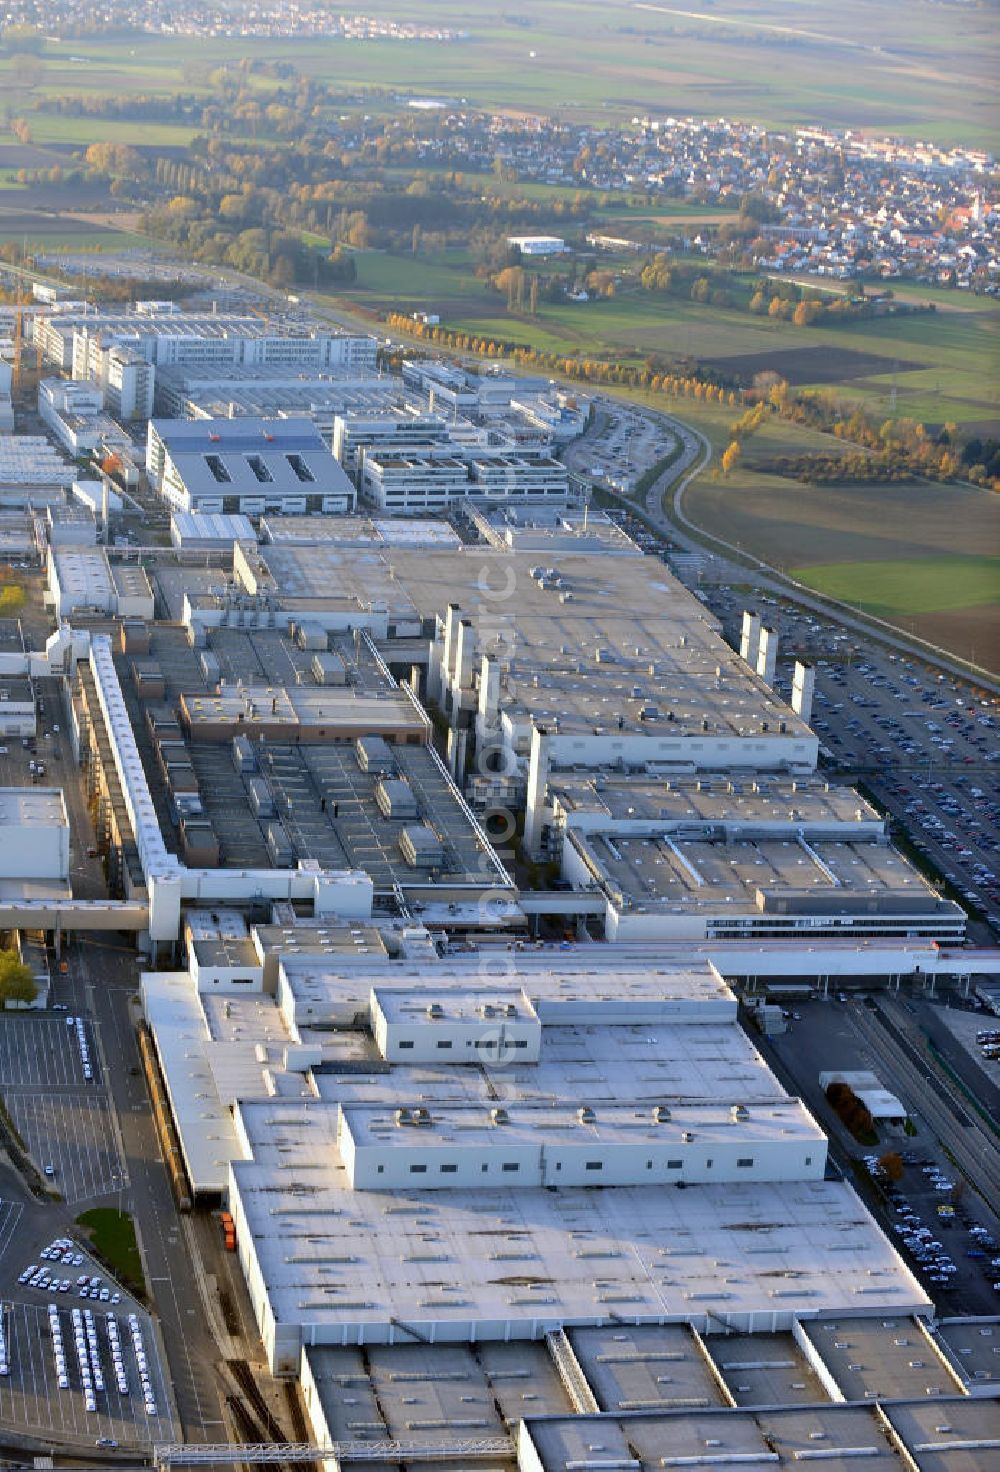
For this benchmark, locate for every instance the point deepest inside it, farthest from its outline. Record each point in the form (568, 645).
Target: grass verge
(112, 1239)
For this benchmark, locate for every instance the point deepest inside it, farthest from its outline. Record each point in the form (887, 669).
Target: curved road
(678, 526)
(696, 456)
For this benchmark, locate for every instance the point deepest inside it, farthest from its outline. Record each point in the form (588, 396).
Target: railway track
(972, 1147)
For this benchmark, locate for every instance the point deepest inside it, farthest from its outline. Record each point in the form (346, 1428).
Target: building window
(484, 1167)
(649, 1165)
(260, 470)
(674, 1164)
(405, 1043)
(418, 1170)
(299, 468)
(809, 1160)
(708, 1165)
(595, 1165)
(380, 1169)
(217, 469)
(444, 1043)
(448, 1170)
(511, 1165)
(744, 1161)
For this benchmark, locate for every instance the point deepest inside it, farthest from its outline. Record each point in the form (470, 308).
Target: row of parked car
(926, 1248)
(919, 1240)
(62, 1253)
(82, 1045)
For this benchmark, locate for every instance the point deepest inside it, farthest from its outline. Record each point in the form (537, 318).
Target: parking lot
(932, 1216)
(924, 743)
(73, 1134)
(622, 449)
(30, 1395)
(62, 1114)
(41, 1052)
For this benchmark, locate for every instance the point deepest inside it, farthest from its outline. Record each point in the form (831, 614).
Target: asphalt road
(102, 980)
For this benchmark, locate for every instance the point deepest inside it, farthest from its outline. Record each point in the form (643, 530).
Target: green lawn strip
(915, 586)
(112, 1240)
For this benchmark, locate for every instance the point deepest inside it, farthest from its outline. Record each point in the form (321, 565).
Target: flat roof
(214, 1049)
(753, 875)
(33, 807)
(597, 1064)
(513, 1257)
(739, 802)
(316, 939)
(225, 951)
(765, 1369)
(642, 1366)
(620, 1123)
(129, 580)
(84, 573)
(271, 705)
(17, 689)
(550, 532)
(890, 1357)
(626, 625)
(359, 531)
(974, 1346)
(401, 1005)
(954, 1436)
(642, 1442)
(637, 986)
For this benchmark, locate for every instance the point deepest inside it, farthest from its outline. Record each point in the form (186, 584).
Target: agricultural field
(35, 229)
(911, 553)
(932, 367)
(911, 70)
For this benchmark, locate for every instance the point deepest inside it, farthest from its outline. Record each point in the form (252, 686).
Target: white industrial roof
(340, 1263)
(622, 1123)
(34, 807)
(190, 527)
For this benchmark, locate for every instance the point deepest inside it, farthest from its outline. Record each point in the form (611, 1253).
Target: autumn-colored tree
(730, 457)
(806, 313)
(891, 1165)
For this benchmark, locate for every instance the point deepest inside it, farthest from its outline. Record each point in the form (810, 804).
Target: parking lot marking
(10, 1215)
(72, 1133)
(30, 1397)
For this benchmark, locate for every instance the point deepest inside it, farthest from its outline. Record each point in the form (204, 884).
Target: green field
(925, 586)
(48, 127)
